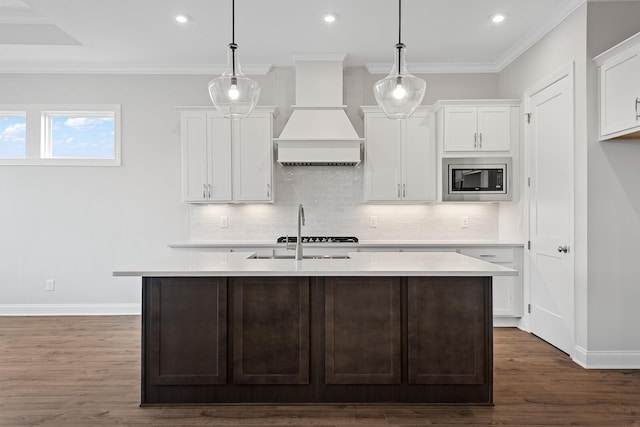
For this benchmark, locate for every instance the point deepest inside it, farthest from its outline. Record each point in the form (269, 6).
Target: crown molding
(437, 68)
(188, 69)
(566, 8)
(559, 14)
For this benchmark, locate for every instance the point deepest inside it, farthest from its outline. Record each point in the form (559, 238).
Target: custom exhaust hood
(319, 133)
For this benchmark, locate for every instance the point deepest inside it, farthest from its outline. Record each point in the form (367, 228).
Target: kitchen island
(226, 328)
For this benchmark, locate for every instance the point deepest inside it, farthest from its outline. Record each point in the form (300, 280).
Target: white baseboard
(505, 322)
(70, 309)
(607, 359)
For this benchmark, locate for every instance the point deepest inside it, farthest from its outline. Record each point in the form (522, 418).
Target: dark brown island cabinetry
(290, 339)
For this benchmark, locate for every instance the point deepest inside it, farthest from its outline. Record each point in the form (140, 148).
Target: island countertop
(238, 264)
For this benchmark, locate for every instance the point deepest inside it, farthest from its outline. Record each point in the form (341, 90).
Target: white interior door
(551, 140)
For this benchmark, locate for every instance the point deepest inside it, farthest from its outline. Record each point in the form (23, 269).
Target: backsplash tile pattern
(332, 198)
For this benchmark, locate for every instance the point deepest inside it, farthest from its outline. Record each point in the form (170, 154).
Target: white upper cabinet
(619, 76)
(226, 160)
(399, 163)
(475, 127)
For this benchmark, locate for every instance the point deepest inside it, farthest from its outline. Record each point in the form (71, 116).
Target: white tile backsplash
(332, 199)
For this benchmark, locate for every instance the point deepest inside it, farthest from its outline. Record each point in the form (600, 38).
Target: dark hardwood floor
(84, 371)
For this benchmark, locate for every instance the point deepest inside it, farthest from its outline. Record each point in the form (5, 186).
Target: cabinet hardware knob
(204, 191)
(480, 140)
(563, 249)
(268, 190)
(209, 189)
(475, 140)
(404, 190)
(398, 191)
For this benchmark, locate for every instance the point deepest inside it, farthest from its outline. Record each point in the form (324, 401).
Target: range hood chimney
(319, 132)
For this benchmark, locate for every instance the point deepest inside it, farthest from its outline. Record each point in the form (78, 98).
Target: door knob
(564, 249)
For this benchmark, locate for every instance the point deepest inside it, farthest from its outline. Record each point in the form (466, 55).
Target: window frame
(38, 134)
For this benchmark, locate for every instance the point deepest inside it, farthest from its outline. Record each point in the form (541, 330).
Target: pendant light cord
(233, 45)
(399, 45)
(399, 21)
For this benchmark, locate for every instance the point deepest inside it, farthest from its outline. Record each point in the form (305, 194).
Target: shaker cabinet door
(193, 126)
(620, 95)
(252, 158)
(382, 159)
(460, 128)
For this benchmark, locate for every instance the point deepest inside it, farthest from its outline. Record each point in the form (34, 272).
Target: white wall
(78, 224)
(566, 43)
(614, 202)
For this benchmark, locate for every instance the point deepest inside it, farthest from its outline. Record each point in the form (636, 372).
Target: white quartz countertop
(188, 244)
(199, 264)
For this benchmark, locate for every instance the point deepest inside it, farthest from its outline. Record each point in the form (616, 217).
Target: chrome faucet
(298, 246)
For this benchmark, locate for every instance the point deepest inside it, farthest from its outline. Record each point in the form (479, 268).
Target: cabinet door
(253, 158)
(418, 159)
(494, 128)
(619, 93)
(382, 158)
(449, 330)
(187, 343)
(193, 136)
(219, 157)
(460, 128)
(362, 330)
(503, 301)
(270, 330)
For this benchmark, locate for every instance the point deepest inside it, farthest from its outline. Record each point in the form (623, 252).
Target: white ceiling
(142, 36)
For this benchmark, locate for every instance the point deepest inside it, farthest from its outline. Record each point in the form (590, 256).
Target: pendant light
(232, 93)
(400, 93)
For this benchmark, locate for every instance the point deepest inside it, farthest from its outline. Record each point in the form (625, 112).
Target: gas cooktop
(319, 239)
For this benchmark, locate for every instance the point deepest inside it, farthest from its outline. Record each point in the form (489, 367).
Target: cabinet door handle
(398, 190)
(209, 189)
(404, 190)
(268, 190)
(204, 191)
(475, 140)
(487, 256)
(480, 140)
(637, 104)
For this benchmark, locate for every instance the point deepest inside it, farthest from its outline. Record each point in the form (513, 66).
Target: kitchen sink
(304, 257)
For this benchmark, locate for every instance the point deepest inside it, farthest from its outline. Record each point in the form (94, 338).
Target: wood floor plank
(82, 371)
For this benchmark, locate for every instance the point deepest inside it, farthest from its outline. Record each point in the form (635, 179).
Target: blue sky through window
(90, 137)
(13, 136)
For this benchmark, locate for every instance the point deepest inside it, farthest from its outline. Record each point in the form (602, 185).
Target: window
(65, 135)
(79, 135)
(13, 135)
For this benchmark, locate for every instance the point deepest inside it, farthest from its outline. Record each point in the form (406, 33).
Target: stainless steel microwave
(471, 179)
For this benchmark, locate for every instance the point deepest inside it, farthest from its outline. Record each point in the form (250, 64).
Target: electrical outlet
(51, 285)
(464, 223)
(373, 221)
(224, 221)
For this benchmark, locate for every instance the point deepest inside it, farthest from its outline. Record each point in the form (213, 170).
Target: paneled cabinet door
(219, 157)
(620, 95)
(418, 161)
(494, 128)
(193, 128)
(383, 174)
(187, 320)
(253, 158)
(271, 330)
(460, 128)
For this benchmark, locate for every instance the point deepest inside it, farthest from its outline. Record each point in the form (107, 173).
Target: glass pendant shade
(400, 93)
(232, 93)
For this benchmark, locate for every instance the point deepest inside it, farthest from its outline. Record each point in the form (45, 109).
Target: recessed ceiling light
(182, 18)
(330, 17)
(498, 18)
